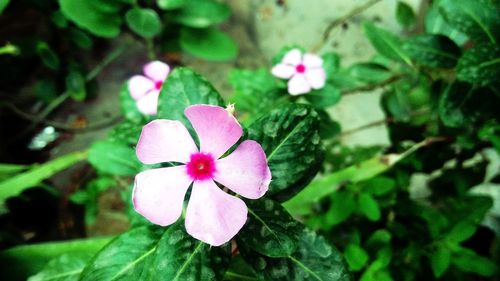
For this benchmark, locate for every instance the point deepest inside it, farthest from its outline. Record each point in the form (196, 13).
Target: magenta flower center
(201, 166)
(158, 84)
(300, 68)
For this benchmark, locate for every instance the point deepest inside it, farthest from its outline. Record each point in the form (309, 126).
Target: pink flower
(212, 215)
(145, 90)
(304, 71)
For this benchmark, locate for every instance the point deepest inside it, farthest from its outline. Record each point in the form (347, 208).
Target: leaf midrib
(183, 267)
(284, 141)
(435, 51)
(68, 273)
(265, 224)
(479, 22)
(125, 269)
(305, 268)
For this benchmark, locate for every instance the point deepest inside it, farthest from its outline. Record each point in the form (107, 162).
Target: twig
(340, 21)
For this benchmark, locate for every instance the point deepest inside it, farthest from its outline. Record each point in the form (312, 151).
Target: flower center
(300, 68)
(158, 84)
(201, 166)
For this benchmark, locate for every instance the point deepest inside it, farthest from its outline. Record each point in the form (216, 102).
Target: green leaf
(63, 268)
(479, 19)
(84, 14)
(314, 259)
(49, 58)
(436, 24)
(386, 43)
(342, 206)
(468, 261)
(106, 6)
(126, 132)
(58, 19)
(46, 90)
(440, 260)
(451, 103)
(331, 64)
(208, 43)
(144, 22)
(170, 4)
(128, 106)
(368, 206)
(201, 13)
(379, 185)
(80, 38)
(16, 184)
(114, 158)
(3, 5)
(355, 256)
(324, 97)
(269, 230)
(480, 65)
(432, 50)
(364, 73)
(75, 85)
(185, 88)
(461, 231)
(405, 15)
(289, 135)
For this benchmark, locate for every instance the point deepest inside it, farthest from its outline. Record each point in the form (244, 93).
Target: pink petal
(298, 85)
(216, 128)
(156, 70)
(165, 140)
(139, 85)
(212, 215)
(316, 77)
(158, 194)
(293, 57)
(283, 71)
(148, 104)
(245, 171)
(311, 60)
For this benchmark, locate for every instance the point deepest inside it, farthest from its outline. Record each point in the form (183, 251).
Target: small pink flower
(304, 71)
(212, 215)
(145, 90)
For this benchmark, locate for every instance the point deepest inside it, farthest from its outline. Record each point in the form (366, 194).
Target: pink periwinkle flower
(212, 215)
(305, 72)
(145, 89)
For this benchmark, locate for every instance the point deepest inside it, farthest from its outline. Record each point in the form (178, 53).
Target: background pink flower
(145, 90)
(304, 71)
(212, 215)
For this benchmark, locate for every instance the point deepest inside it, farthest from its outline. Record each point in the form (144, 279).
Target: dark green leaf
(46, 90)
(80, 38)
(170, 4)
(314, 259)
(405, 15)
(75, 85)
(107, 6)
(368, 206)
(324, 97)
(436, 24)
(128, 106)
(208, 43)
(355, 256)
(386, 43)
(479, 19)
(185, 88)
(84, 14)
(114, 158)
(201, 13)
(269, 230)
(63, 268)
(432, 50)
(144, 22)
(48, 56)
(3, 5)
(440, 260)
(58, 19)
(480, 65)
(378, 185)
(368, 73)
(289, 135)
(451, 104)
(468, 261)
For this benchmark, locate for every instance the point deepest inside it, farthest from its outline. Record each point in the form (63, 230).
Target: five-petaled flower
(145, 90)
(212, 215)
(305, 72)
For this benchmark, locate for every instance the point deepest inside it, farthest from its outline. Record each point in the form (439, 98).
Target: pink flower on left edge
(145, 90)
(305, 72)
(212, 215)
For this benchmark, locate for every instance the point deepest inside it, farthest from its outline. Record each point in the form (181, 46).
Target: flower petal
(298, 85)
(148, 104)
(139, 85)
(212, 215)
(312, 60)
(293, 57)
(245, 171)
(165, 140)
(156, 70)
(283, 71)
(159, 194)
(316, 77)
(216, 128)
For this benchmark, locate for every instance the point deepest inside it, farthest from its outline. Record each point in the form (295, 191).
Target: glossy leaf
(324, 97)
(269, 230)
(314, 259)
(432, 50)
(209, 43)
(386, 43)
(436, 24)
(405, 15)
(114, 158)
(480, 65)
(201, 13)
(451, 103)
(289, 135)
(63, 268)
(144, 22)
